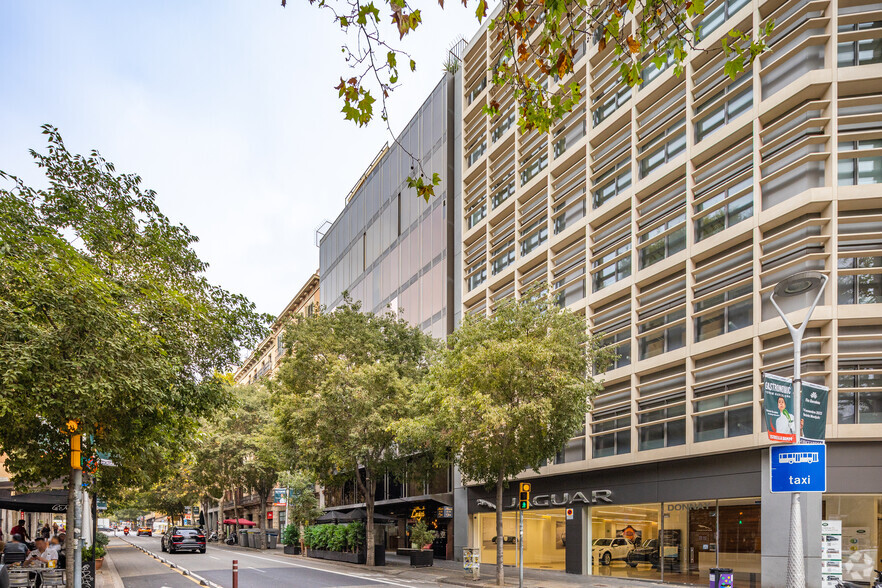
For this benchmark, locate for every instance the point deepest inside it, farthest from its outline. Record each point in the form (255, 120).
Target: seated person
(55, 543)
(42, 553)
(15, 550)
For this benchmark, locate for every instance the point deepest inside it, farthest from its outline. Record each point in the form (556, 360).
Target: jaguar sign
(558, 499)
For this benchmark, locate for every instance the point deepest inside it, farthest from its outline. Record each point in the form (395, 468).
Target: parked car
(145, 531)
(606, 550)
(648, 552)
(183, 539)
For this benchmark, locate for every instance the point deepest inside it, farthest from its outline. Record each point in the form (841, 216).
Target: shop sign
(418, 513)
(269, 515)
(778, 407)
(444, 512)
(814, 412)
(692, 505)
(831, 553)
(798, 468)
(557, 499)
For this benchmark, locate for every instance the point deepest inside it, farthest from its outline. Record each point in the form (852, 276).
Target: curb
(182, 570)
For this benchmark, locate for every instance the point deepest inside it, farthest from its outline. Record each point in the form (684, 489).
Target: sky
(225, 108)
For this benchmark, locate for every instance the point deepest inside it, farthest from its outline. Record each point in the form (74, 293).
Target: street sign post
(798, 468)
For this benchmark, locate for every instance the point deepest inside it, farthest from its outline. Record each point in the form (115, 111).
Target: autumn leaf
(633, 44)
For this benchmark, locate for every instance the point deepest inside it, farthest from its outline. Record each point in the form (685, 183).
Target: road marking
(360, 577)
(212, 557)
(256, 569)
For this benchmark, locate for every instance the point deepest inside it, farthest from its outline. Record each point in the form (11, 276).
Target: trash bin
(243, 537)
(272, 538)
(254, 538)
(721, 578)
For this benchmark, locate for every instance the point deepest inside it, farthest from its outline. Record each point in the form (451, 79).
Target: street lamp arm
(795, 333)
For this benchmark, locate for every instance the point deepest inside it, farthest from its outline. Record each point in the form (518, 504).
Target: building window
(477, 152)
(723, 409)
(718, 15)
(663, 148)
(729, 110)
(612, 183)
(662, 334)
(502, 256)
(863, 283)
(280, 344)
(534, 162)
(502, 195)
(601, 112)
(862, 52)
(477, 89)
(575, 133)
(667, 433)
(724, 319)
(854, 170)
(477, 214)
(537, 233)
(502, 127)
(672, 242)
(612, 432)
(613, 265)
(860, 393)
(724, 210)
(621, 343)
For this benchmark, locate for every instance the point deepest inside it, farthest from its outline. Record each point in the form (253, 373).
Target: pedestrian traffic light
(524, 496)
(75, 459)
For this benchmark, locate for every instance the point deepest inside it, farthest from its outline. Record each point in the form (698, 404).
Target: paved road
(141, 571)
(256, 569)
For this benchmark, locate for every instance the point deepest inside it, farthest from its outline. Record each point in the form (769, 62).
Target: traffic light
(75, 459)
(524, 496)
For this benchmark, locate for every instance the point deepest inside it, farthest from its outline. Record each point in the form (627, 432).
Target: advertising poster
(858, 554)
(831, 553)
(633, 535)
(814, 412)
(778, 407)
(279, 496)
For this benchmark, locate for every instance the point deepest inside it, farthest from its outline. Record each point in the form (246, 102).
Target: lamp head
(799, 284)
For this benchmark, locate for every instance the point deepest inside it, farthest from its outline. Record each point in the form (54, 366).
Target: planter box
(357, 558)
(292, 549)
(421, 558)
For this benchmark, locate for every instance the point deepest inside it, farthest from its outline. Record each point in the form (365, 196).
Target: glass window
(545, 538)
(724, 319)
(861, 515)
(857, 287)
(862, 52)
(601, 111)
(656, 430)
(612, 432)
(612, 183)
(660, 340)
(663, 148)
(860, 398)
(854, 170)
(616, 270)
(626, 541)
(725, 212)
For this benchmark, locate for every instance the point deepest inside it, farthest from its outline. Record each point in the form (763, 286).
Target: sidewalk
(107, 576)
(451, 573)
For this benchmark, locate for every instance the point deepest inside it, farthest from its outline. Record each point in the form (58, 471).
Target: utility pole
(76, 480)
(523, 504)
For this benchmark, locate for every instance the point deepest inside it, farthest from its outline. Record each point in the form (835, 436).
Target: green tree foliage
(510, 390)
(350, 377)
(107, 318)
(540, 41)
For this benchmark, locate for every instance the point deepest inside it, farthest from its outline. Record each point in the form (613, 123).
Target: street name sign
(799, 468)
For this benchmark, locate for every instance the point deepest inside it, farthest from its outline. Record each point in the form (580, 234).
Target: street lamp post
(797, 285)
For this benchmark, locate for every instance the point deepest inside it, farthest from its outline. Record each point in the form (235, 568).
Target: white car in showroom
(606, 550)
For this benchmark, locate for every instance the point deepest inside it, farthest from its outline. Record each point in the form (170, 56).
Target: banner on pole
(778, 408)
(280, 496)
(814, 413)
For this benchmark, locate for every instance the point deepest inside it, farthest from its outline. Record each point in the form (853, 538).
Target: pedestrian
(46, 532)
(54, 529)
(20, 529)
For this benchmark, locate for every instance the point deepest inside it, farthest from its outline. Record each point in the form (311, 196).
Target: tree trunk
(369, 523)
(500, 574)
(236, 513)
(69, 541)
(220, 516)
(262, 526)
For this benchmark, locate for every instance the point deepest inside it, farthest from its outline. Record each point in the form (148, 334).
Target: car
(648, 552)
(606, 550)
(145, 531)
(183, 538)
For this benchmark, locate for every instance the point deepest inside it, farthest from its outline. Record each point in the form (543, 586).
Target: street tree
(349, 378)
(107, 321)
(540, 41)
(510, 390)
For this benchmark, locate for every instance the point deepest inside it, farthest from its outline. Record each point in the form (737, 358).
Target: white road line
(212, 557)
(296, 565)
(256, 569)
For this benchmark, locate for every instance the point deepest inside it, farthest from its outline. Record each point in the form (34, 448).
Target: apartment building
(666, 214)
(263, 363)
(264, 360)
(392, 251)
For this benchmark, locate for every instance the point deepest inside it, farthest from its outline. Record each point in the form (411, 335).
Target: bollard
(235, 573)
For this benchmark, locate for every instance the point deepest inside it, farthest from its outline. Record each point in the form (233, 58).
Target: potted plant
(291, 539)
(99, 553)
(421, 540)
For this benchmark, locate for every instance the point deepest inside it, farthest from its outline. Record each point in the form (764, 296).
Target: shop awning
(51, 501)
(360, 514)
(240, 522)
(334, 516)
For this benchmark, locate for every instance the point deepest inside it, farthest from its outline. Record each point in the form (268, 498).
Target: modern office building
(393, 251)
(666, 214)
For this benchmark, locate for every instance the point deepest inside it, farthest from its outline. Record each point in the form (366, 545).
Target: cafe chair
(53, 577)
(11, 557)
(19, 578)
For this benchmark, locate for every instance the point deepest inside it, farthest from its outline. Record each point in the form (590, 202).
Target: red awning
(241, 522)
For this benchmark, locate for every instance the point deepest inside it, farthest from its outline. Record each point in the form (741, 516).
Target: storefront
(675, 520)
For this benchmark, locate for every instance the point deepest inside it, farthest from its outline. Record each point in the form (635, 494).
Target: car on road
(145, 531)
(606, 550)
(183, 538)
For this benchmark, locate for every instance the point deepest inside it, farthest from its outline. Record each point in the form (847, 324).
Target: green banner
(814, 412)
(778, 408)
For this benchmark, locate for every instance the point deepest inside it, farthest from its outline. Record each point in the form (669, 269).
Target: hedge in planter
(291, 539)
(420, 536)
(348, 539)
